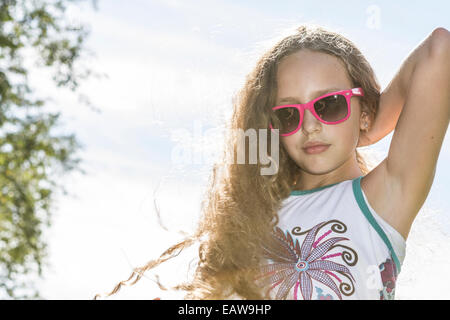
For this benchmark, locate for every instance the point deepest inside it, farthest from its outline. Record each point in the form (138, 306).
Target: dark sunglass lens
(332, 108)
(285, 119)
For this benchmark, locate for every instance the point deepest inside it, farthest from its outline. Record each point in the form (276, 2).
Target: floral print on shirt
(296, 267)
(388, 277)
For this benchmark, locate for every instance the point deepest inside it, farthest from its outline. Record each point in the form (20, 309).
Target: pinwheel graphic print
(295, 266)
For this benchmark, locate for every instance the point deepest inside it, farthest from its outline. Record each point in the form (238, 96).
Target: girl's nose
(310, 122)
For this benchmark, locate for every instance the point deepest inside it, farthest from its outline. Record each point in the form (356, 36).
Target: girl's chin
(315, 168)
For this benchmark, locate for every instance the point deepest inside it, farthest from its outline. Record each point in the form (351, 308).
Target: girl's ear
(364, 125)
(364, 121)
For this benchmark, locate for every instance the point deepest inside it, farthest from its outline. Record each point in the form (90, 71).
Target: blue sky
(171, 63)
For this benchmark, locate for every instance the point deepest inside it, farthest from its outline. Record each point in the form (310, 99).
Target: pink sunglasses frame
(310, 106)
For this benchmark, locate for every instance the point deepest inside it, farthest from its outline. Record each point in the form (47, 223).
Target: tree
(31, 156)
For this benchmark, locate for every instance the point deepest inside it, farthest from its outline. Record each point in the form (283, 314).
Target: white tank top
(331, 244)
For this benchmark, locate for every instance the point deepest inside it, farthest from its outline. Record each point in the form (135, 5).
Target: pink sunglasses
(331, 108)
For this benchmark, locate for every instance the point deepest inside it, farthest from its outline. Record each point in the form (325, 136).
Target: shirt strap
(364, 208)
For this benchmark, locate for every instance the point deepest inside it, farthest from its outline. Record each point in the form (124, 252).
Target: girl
(323, 226)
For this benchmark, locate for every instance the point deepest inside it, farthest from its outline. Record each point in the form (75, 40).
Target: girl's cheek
(287, 143)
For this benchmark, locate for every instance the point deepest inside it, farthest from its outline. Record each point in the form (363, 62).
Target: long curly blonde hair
(240, 206)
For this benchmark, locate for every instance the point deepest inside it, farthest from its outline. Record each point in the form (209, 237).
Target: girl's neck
(308, 181)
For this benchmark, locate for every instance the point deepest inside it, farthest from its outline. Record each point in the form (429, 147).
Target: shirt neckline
(301, 192)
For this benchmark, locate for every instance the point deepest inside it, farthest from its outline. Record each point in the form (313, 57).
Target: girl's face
(305, 75)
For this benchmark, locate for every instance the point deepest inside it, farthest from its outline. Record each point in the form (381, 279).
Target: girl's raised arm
(393, 98)
(422, 85)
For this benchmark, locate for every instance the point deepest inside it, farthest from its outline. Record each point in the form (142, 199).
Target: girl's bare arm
(393, 97)
(422, 86)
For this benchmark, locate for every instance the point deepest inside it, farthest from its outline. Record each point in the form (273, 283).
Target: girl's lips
(316, 149)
